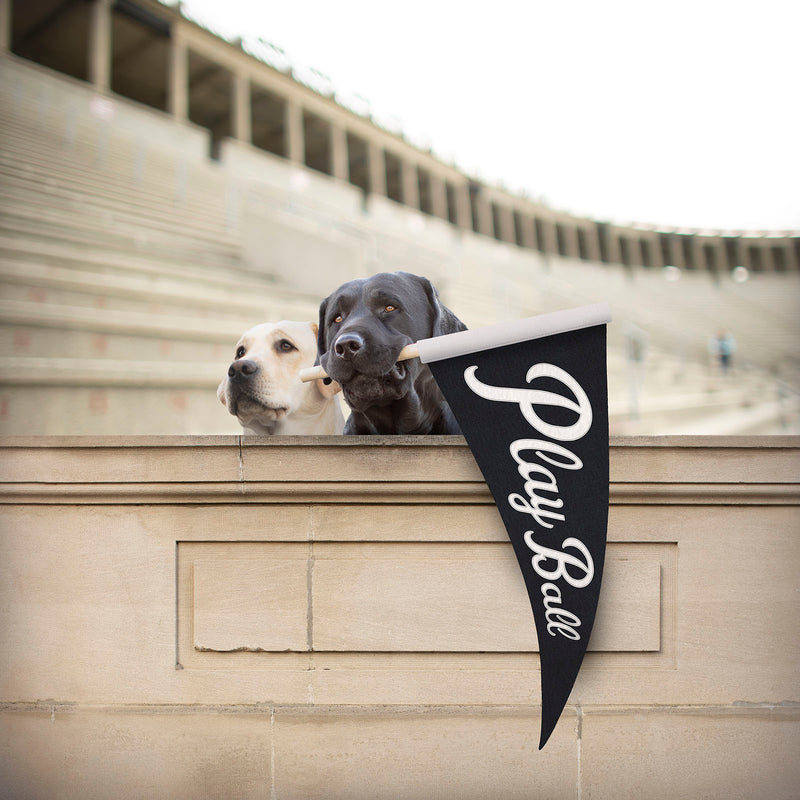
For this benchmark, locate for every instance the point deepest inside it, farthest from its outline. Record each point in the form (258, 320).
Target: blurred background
(171, 175)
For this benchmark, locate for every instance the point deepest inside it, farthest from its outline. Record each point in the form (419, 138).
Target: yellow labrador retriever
(262, 388)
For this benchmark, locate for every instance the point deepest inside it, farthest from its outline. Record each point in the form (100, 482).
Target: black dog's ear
(322, 346)
(444, 321)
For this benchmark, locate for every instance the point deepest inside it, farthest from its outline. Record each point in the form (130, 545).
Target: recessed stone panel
(257, 604)
(459, 600)
(278, 597)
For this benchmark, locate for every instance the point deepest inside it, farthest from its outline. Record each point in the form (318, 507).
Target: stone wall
(344, 617)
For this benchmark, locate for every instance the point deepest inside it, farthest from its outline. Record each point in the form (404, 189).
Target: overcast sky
(681, 114)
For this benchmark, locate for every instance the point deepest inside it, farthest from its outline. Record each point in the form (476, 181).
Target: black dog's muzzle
(348, 345)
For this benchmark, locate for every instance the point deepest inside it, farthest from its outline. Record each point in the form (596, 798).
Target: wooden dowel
(314, 373)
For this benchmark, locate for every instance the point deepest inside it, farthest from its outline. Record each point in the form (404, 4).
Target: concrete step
(37, 341)
(181, 296)
(99, 320)
(198, 184)
(22, 371)
(98, 386)
(768, 417)
(98, 409)
(165, 209)
(143, 160)
(731, 411)
(21, 249)
(202, 194)
(54, 396)
(62, 202)
(110, 236)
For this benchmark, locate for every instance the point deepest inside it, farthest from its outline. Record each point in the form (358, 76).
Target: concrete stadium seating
(130, 263)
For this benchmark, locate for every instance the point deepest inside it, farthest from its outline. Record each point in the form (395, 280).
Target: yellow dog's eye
(285, 346)
(390, 307)
(240, 352)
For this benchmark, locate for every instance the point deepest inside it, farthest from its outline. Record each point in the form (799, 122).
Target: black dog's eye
(240, 351)
(285, 346)
(389, 307)
(338, 318)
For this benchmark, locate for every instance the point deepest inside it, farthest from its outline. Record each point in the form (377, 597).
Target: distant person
(723, 346)
(636, 352)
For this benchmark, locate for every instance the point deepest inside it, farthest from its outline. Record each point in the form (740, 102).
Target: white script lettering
(525, 469)
(562, 560)
(549, 564)
(528, 398)
(559, 620)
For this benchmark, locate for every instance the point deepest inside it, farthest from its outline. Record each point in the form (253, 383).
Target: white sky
(684, 113)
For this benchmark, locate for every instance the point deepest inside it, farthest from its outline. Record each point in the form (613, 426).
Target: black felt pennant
(535, 415)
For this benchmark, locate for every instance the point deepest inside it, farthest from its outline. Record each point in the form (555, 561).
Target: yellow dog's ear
(221, 393)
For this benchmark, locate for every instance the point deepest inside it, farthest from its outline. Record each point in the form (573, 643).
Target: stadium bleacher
(130, 262)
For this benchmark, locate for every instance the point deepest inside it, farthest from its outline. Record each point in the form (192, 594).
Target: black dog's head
(364, 325)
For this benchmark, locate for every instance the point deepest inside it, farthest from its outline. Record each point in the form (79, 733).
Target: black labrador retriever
(363, 326)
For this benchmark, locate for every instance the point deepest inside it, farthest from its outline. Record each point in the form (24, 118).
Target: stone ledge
(367, 470)
(786, 709)
(660, 442)
(382, 493)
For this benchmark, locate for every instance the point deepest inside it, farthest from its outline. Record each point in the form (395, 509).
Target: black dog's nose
(348, 345)
(243, 368)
